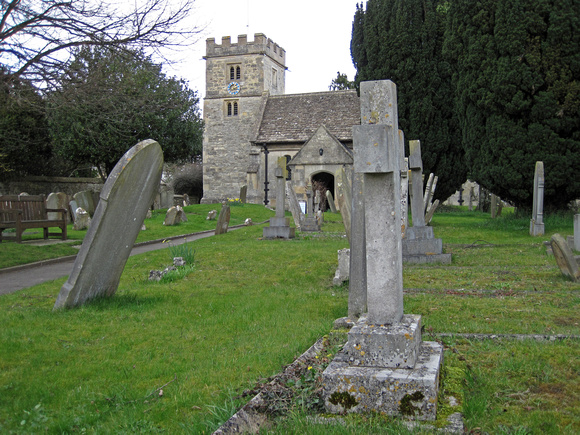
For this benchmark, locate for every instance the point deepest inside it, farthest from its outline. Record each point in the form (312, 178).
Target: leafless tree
(37, 36)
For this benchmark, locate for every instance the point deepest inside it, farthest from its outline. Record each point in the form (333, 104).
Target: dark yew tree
(110, 100)
(517, 83)
(402, 40)
(24, 139)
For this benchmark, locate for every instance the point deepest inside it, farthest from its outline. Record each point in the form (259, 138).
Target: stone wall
(46, 185)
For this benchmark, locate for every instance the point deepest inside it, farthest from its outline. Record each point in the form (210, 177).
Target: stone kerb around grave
(124, 201)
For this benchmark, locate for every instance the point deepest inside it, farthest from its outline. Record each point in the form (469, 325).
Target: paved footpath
(17, 278)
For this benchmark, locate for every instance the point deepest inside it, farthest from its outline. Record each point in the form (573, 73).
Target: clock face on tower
(233, 88)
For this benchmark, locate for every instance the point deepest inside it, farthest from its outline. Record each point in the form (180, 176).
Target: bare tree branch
(37, 36)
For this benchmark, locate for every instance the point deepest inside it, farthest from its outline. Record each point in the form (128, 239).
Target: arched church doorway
(323, 181)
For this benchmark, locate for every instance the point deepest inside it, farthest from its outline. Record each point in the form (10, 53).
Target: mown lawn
(174, 357)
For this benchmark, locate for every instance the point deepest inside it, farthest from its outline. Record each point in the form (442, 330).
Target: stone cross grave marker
(384, 360)
(279, 227)
(124, 201)
(537, 221)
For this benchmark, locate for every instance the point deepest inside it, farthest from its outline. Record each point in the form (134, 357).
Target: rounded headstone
(124, 201)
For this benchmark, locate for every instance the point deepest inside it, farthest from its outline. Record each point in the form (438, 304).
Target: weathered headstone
(181, 216)
(330, 200)
(243, 193)
(428, 193)
(279, 227)
(416, 191)
(431, 212)
(384, 362)
(223, 221)
(344, 199)
(565, 257)
(171, 217)
(82, 220)
(537, 221)
(107, 245)
(294, 206)
(85, 201)
(342, 271)
(494, 205)
(211, 215)
(56, 200)
(73, 206)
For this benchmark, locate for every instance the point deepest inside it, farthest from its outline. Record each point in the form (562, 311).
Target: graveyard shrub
(188, 179)
(517, 94)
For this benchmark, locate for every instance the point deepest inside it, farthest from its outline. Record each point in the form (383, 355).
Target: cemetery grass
(177, 356)
(14, 254)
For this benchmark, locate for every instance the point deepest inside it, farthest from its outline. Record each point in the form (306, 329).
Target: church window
(232, 108)
(274, 78)
(235, 72)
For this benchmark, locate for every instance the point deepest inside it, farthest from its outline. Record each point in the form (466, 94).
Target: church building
(250, 123)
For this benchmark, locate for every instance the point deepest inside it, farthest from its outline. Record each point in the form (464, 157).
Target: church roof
(295, 118)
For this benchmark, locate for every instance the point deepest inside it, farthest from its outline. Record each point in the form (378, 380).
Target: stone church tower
(239, 78)
(250, 123)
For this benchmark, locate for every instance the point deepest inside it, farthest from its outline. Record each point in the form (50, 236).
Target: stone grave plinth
(280, 225)
(385, 366)
(420, 245)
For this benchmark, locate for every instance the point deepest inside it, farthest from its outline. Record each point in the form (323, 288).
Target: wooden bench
(22, 212)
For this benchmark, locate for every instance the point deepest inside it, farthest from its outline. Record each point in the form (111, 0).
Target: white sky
(315, 34)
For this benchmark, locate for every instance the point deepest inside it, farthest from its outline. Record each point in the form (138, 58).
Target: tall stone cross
(377, 155)
(537, 221)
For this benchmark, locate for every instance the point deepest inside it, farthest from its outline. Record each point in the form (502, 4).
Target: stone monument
(310, 223)
(420, 244)
(294, 206)
(280, 225)
(385, 363)
(223, 221)
(124, 201)
(565, 258)
(57, 200)
(537, 221)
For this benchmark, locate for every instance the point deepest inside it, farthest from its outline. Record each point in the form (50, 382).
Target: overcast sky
(315, 34)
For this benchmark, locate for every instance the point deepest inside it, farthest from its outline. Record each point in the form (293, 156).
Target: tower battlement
(260, 45)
